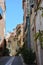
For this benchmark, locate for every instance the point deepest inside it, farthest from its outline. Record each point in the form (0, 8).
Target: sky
(14, 14)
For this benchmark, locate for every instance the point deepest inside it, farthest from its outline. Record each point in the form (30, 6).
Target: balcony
(18, 32)
(18, 27)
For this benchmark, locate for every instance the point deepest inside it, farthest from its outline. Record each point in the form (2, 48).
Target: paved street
(3, 60)
(11, 61)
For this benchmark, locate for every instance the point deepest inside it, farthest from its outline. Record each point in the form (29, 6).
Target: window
(28, 7)
(9, 45)
(27, 1)
(31, 1)
(1, 12)
(9, 41)
(19, 42)
(27, 20)
(32, 5)
(0, 38)
(24, 0)
(28, 11)
(33, 29)
(14, 39)
(41, 39)
(0, 16)
(27, 4)
(18, 33)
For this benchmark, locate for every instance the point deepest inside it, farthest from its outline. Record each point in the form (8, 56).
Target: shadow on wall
(3, 50)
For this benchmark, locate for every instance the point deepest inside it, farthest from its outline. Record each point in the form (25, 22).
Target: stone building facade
(19, 32)
(36, 24)
(2, 20)
(26, 23)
